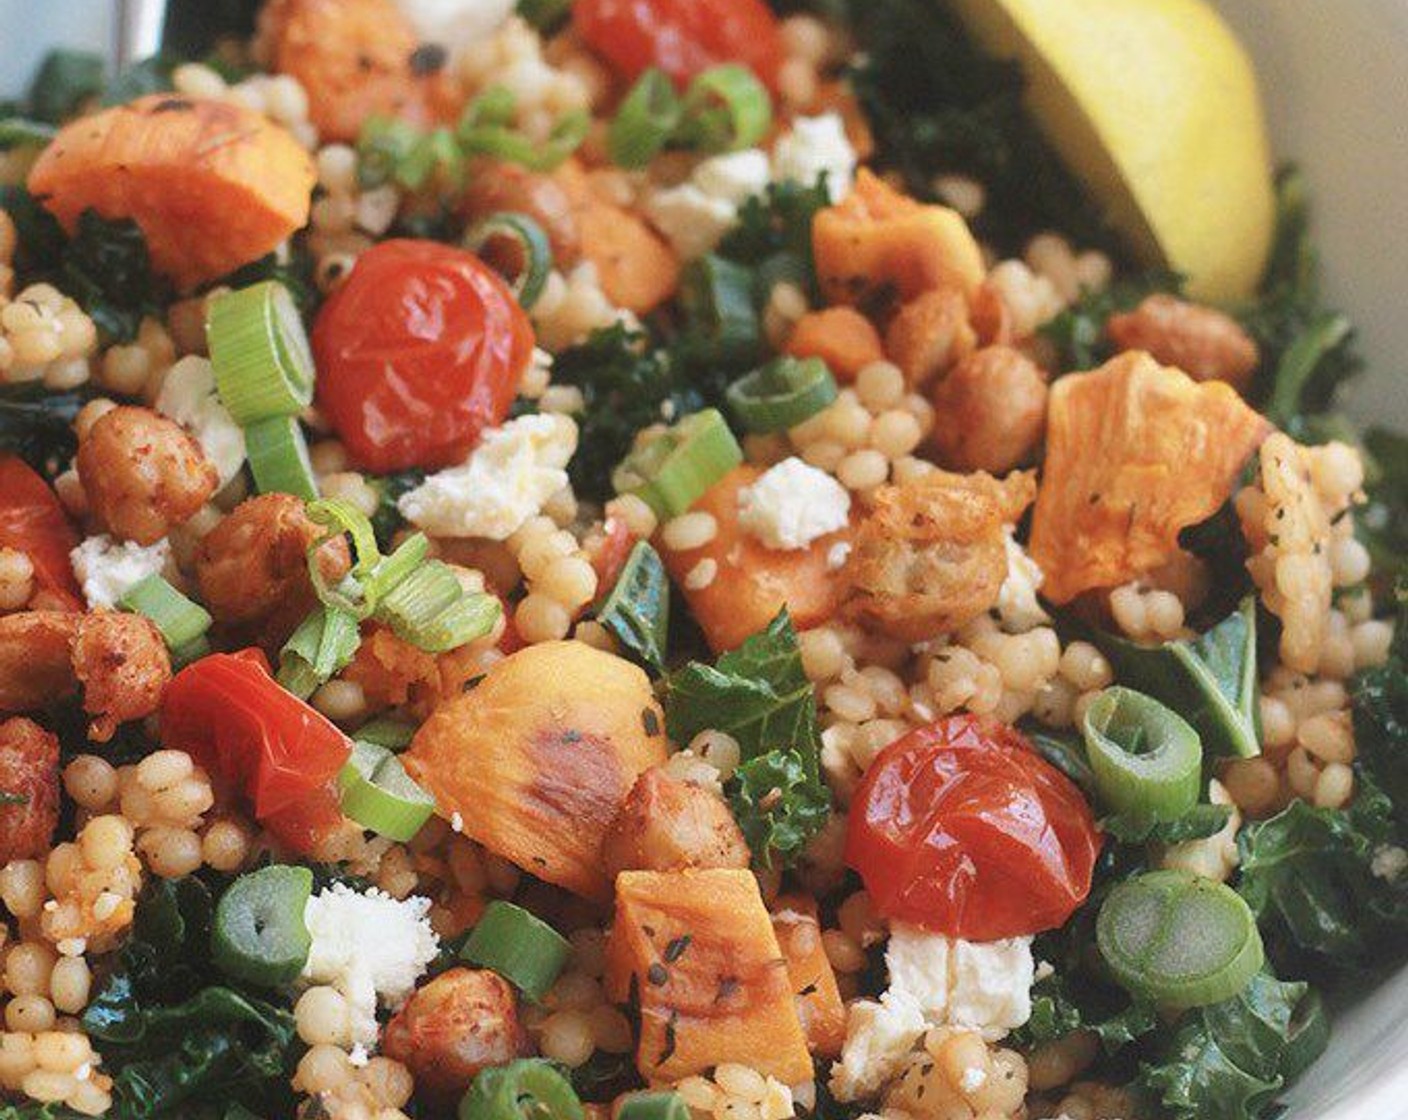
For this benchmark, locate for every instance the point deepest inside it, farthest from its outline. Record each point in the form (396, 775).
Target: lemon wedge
(1154, 105)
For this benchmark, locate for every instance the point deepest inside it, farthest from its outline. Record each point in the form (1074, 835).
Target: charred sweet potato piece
(463, 1021)
(667, 824)
(841, 337)
(213, 185)
(753, 581)
(930, 556)
(698, 951)
(819, 1006)
(877, 242)
(356, 59)
(29, 789)
(1135, 453)
(538, 757)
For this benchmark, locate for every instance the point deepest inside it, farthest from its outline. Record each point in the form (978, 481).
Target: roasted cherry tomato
(33, 522)
(681, 37)
(962, 828)
(419, 351)
(231, 716)
(610, 556)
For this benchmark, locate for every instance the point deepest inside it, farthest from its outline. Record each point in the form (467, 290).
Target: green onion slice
(20, 132)
(386, 731)
(383, 147)
(378, 794)
(263, 364)
(726, 108)
(673, 471)
(716, 296)
(258, 934)
(1178, 939)
(1147, 760)
(533, 250)
(432, 611)
(278, 458)
(647, 118)
(781, 394)
(523, 949)
(652, 1106)
(486, 129)
(180, 621)
(324, 642)
(526, 1089)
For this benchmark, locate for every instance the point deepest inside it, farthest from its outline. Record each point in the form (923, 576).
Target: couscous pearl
(689, 531)
(16, 579)
(862, 470)
(321, 1015)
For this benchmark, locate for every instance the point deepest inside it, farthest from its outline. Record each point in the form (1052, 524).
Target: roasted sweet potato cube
(819, 1006)
(696, 950)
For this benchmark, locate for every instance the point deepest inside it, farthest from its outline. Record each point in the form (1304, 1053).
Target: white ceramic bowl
(1334, 74)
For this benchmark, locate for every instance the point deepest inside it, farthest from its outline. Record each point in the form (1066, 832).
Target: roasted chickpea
(1206, 344)
(142, 474)
(929, 334)
(666, 824)
(989, 411)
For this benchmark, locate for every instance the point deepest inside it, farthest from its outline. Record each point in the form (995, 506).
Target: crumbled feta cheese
(505, 481)
(455, 24)
(793, 504)
(188, 396)
(982, 985)
(1212, 857)
(879, 1036)
(696, 214)
(814, 145)
(692, 221)
(370, 947)
(1389, 862)
(1017, 604)
(108, 569)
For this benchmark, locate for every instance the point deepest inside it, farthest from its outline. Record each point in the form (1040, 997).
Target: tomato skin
(962, 828)
(418, 352)
(682, 37)
(231, 716)
(33, 521)
(609, 560)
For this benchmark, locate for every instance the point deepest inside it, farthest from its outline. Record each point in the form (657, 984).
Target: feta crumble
(695, 215)
(370, 947)
(455, 24)
(1017, 605)
(879, 1036)
(981, 985)
(188, 396)
(814, 145)
(505, 481)
(1389, 862)
(793, 504)
(108, 569)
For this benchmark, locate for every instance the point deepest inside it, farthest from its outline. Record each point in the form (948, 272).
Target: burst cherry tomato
(681, 37)
(419, 351)
(230, 715)
(962, 828)
(33, 522)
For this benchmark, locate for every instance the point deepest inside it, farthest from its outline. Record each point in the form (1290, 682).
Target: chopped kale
(777, 805)
(64, 81)
(38, 426)
(1078, 332)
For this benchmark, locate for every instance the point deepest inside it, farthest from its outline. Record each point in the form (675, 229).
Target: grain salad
(678, 560)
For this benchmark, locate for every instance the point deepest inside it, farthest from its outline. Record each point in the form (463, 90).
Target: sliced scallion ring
(716, 296)
(258, 934)
(523, 949)
(1180, 940)
(652, 1106)
(781, 394)
(532, 247)
(726, 109)
(645, 120)
(263, 364)
(378, 794)
(324, 642)
(1146, 758)
(278, 457)
(432, 611)
(180, 621)
(674, 470)
(386, 731)
(526, 1089)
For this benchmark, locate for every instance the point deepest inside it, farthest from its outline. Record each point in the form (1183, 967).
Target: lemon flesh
(1154, 105)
